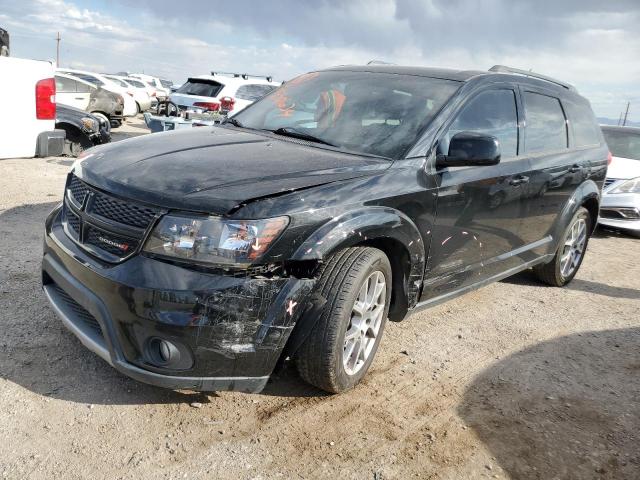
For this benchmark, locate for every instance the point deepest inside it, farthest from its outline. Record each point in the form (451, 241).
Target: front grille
(82, 314)
(74, 222)
(107, 227)
(78, 190)
(620, 213)
(115, 245)
(122, 212)
(609, 181)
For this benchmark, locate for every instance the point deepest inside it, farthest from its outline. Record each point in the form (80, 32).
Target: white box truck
(28, 109)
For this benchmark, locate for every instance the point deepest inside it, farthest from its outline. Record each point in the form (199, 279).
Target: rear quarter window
(583, 124)
(65, 85)
(253, 92)
(546, 126)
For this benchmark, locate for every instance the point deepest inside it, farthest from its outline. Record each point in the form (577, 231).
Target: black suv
(203, 258)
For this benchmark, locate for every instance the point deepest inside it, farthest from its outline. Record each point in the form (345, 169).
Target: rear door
(67, 93)
(556, 170)
(479, 208)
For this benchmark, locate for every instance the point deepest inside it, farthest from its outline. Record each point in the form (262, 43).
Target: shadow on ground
(528, 278)
(565, 408)
(39, 354)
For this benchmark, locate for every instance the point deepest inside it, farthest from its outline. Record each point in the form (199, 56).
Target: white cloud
(589, 43)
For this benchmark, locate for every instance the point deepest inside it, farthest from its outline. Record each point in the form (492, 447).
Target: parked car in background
(99, 80)
(28, 109)
(78, 93)
(167, 84)
(620, 207)
(162, 93)
(4, 43)
(231, 92)
(83, 130)
(200, 258)
(73, 91)
(137, 88)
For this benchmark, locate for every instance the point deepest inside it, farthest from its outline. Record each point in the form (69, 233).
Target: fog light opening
(162, 353)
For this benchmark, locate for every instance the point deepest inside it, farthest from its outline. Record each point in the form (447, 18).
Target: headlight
(90, 124)
(214, 240)
(630, 186)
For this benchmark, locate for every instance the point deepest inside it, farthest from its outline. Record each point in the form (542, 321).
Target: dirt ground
(516, 380)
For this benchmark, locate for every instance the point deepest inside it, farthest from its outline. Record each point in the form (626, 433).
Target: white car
(620, 206)
(162, 93)
(73, 91)
(219, 91)
(28, 100)
(140, 94)
(130, 107)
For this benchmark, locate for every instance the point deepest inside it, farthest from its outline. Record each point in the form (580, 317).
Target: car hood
(215, 169)
(623, 168)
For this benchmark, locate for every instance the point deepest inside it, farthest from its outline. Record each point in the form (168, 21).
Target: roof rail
(528, 73)
(379, 62)
(244, 76)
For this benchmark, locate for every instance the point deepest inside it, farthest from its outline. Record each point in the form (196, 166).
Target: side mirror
(468, 149)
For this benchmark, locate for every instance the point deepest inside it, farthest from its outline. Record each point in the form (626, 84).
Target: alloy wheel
(364, 325)
(573, 248)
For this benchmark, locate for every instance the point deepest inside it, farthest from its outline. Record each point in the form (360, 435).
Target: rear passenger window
(82, 87)
(65, 85)
(492, 113)
(583, 124)
(546, 127)
(253, 92)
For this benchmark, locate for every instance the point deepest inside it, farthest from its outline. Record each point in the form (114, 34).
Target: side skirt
(456, 293)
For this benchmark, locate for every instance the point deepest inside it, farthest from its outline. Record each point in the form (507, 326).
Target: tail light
(227, 103)
(130, 93)
(153, 94)
(46, 99)
(609, 158)
(211, 106)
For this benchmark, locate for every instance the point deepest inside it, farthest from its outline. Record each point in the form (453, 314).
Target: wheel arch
(586, 195)
(385, 228)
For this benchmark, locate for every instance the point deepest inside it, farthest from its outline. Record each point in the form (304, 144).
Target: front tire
(342, 345)
(567, 260)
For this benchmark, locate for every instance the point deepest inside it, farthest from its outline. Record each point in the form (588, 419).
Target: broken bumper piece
(170, 326)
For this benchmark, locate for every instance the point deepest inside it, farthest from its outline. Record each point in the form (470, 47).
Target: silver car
(620, 206)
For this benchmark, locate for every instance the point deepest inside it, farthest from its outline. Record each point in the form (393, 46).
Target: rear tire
(342, 345)
(567, 260)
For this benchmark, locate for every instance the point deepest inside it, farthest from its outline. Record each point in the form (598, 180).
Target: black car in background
(83, 130)
(202, 258)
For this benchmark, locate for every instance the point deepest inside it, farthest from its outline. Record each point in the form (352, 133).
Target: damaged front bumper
(226, 332)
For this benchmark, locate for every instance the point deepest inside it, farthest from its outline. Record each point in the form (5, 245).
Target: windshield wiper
(234, 122)
(292, 132)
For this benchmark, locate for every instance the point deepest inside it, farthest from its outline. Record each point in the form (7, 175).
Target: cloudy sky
(593, 44)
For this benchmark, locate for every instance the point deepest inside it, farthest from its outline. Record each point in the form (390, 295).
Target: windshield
(373, 113)
(623, 144)
(135, 83)
(117, 81)
(166, 83)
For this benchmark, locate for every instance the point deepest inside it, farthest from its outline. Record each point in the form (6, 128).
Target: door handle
(575, 168)
(79, 98)
(519, 180)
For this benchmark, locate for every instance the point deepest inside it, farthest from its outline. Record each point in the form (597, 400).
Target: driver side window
(491, 113)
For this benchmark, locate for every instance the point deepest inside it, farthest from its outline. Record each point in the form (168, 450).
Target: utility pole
(626, 114)
(58, 50)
